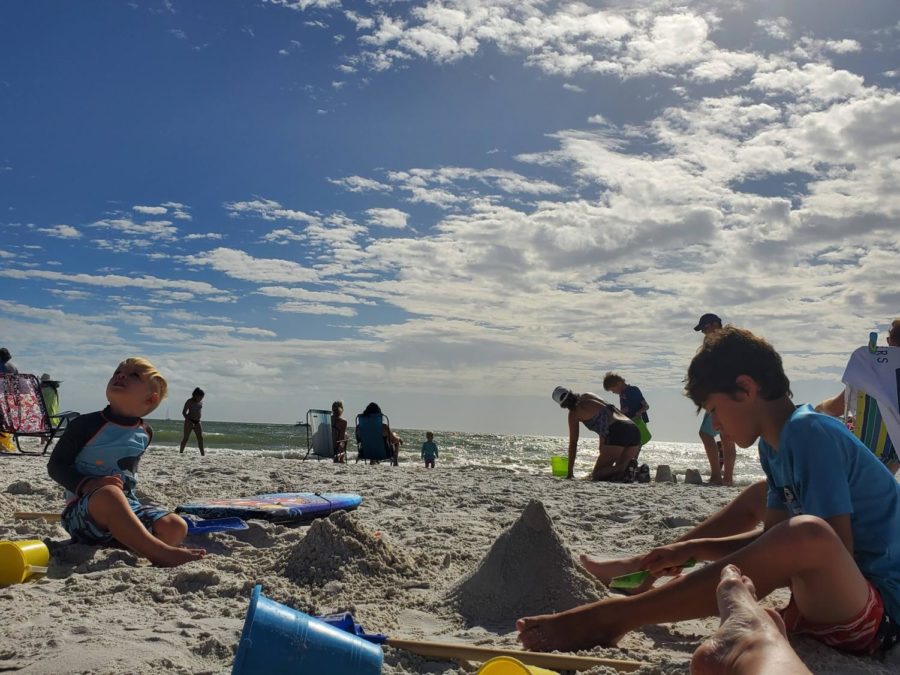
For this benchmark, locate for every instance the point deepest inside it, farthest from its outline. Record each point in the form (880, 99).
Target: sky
(447, 207)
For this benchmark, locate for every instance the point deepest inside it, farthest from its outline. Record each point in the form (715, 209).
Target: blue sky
(447, 207)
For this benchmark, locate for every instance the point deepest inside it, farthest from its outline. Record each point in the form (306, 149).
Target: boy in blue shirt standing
(429, 450)
(831, 527)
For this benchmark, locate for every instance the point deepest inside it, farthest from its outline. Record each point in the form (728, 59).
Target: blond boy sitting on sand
(96, 461)
(831, 523)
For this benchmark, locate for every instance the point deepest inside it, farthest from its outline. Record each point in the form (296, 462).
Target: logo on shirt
(791, 502)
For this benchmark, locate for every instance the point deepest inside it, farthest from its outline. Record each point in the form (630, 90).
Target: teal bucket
(278, 640)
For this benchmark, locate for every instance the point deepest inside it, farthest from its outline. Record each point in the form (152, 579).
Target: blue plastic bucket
(279, 640)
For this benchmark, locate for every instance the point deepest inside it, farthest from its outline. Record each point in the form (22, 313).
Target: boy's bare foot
(605, 570)
(750, 639)
(566, 631)
(173, 556)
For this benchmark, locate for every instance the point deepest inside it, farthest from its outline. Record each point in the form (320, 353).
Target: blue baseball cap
(706, 320)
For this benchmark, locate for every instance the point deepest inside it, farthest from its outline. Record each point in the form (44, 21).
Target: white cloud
(204, 235)
(115, 281)
(150, 210)
(61, 232)
(240, 265)
(360, 184)
(393, 218)
(267, 209)
(153, 229)
(778, 28)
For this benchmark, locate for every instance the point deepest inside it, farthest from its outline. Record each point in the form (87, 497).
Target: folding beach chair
(23, 412)
(869, 427)
(319, 439)
(371, 445)
(872, 378)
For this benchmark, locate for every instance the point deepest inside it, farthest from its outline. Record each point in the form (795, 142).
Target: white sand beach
(397, 563)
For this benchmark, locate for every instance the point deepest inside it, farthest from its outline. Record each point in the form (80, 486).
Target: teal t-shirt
(821, 469)
(429, 450)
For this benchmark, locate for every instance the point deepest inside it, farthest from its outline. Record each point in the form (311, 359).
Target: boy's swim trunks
(860, 635)
(81, 527)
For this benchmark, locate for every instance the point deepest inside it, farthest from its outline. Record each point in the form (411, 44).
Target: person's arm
(423, 450)
(833, 406)
(573, 441)
(186, 408)
(61, 466)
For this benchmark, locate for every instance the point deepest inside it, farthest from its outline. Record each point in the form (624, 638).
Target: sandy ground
(411, 562)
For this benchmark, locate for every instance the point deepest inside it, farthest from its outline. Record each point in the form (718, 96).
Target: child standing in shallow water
(429, 450)
(96, 461)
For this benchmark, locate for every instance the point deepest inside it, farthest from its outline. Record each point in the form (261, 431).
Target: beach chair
(872, 380)
(869, 427)
(23, 412)
(319, 439)
(371, 445)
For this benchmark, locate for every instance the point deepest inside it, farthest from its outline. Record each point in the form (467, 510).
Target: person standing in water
(191, 411)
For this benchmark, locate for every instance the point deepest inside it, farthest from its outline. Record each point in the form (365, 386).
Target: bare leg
(712, 454)
(744, 514)
(186, 435)
(611, 462)
(110, 510)
(171, 529)
(750, 640)
(729, 456)
(198, 432)
(803, 552)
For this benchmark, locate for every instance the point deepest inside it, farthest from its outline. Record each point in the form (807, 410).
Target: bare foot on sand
(605, 570)
(567, 631)
(173, 556)
(750, 639)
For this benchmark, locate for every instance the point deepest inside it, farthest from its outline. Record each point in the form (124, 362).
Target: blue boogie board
(282, 507)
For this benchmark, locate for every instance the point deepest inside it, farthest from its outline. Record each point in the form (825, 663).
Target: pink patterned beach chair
(23, 413)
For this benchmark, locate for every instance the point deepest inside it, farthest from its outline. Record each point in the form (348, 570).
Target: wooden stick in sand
(37, 515)
(452, 650)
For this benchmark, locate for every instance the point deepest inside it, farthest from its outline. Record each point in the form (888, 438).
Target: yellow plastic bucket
(560, 466)
(506, 665)
(20, 559)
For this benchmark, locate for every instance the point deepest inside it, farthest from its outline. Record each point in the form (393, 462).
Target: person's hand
(666, 561)
(99, 482)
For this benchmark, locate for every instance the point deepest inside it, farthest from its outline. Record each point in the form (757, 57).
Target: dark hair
(729, 353)
(570, 401)
(372, 409)
(4, 354)
(611, 379)
(894, 333)
(198, 392)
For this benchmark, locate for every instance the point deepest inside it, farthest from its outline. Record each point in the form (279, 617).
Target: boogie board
(282, 507)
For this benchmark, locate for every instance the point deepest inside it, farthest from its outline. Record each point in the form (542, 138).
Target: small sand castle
(337, 546)
(527, 571)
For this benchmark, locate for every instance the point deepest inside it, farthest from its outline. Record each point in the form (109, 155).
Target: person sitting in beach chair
(830, 513)
(23, 411)
(870, 398)
(319, 434)
(374, 439)
(339, 432)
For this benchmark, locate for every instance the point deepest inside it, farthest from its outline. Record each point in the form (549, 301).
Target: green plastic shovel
(635, 579)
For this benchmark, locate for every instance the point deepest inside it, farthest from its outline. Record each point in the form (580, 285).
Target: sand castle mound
(336, 547)
(527, 571)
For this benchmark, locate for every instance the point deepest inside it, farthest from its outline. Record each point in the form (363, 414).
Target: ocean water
(529, 454)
